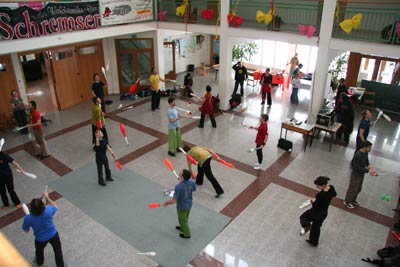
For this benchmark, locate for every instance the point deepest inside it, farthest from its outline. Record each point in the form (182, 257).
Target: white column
(321, 68)
(225, 58)
(19, 76)
(159, 56)
(111, 57)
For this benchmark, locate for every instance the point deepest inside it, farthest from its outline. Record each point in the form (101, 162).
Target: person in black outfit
(339, 90)
(101, 148)
(266, 89)
(98, 90)
(345, 116)
(188, 83)
(314, 217)
(6, 181)
(240, 76)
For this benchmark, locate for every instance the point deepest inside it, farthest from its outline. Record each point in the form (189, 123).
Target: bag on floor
(285, 144)
(390, 257)
(235, 100)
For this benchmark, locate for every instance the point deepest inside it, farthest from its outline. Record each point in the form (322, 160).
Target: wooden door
(169, 60)
(7, 84)
(66, 76)
(90, 61)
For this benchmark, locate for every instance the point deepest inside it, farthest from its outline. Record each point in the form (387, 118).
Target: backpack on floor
(235, 100)
(285, 144)
(390, 257)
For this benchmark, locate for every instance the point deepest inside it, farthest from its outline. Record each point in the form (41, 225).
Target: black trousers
(7, 184)
(269, 98)
(237, 82)
(56, 244)
(20, 117)
(213, 122)
(103, 130)
(345, 133)
(100, 161)
(155, 99)
(259, 154)
(309, 219)
(206, 169)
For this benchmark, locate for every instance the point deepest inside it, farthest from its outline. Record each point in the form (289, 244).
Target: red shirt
(35, 118)
(261, 133)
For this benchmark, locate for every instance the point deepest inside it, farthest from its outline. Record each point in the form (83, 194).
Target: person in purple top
(41, 221)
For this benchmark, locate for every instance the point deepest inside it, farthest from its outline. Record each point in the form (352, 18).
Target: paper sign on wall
(125, 11)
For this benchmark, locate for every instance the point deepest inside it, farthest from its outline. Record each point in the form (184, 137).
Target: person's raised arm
(49, 200)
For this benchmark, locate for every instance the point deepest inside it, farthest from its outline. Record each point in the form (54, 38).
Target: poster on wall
(27, 21)
(187, 46)
(125, 11)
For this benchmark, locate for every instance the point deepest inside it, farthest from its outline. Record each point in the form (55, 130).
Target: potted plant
(338, 67)
(244, 51)
(276, 23)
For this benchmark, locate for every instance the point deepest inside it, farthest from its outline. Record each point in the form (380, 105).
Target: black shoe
(171, 154)
(262, 102)
(102, 184)
(43, 157)
(183, 236)
(311, 244)
(198, 184)
(110, 179)
(178, 150)
(200, 126)
(38, 155)
(153, 110)
(178, 228)
(215, 126)
(219, 195)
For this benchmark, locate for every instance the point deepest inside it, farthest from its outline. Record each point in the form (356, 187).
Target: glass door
(135, 58)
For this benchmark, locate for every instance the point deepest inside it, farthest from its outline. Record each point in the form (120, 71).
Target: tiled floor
(263, 204)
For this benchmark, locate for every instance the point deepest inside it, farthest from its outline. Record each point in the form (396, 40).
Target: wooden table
(304, 128)
(332, 130)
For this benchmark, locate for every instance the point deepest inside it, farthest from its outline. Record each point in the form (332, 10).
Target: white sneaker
(258, 167)
(348, 205)
(302, 231)
(256, 164)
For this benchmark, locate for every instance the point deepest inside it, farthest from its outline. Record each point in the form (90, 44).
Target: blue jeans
(294, 99)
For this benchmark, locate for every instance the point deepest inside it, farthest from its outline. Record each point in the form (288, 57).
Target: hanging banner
(25, 22)
(125, 11)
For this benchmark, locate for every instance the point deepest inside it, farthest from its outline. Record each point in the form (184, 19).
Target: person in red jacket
(261, 139)
(207, 109)
(37, 127)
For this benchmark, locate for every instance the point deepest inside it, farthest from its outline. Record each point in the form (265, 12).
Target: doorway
(169, 60)
(62, 77)
(135, 58)
(37, 81)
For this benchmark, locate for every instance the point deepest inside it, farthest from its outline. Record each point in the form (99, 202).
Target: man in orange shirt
(37, 127)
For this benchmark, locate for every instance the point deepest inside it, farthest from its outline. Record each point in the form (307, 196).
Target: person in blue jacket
(41, 221)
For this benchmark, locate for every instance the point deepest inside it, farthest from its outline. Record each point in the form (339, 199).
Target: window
(63, 55)
(3, 67)
(88, 50)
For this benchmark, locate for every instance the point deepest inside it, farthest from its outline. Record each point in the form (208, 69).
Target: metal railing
(288, 14)
(378, 22)
(193, 11)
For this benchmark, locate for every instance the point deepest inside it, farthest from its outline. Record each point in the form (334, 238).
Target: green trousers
(183, 218)
(174, 139)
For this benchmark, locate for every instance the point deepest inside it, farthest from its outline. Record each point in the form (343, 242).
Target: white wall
(200, 56)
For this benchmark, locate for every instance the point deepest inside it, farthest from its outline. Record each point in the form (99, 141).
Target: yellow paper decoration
(266, 17)
(347, 25)
(181, 10)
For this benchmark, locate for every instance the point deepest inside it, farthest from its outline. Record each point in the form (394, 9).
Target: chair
(369, 98)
